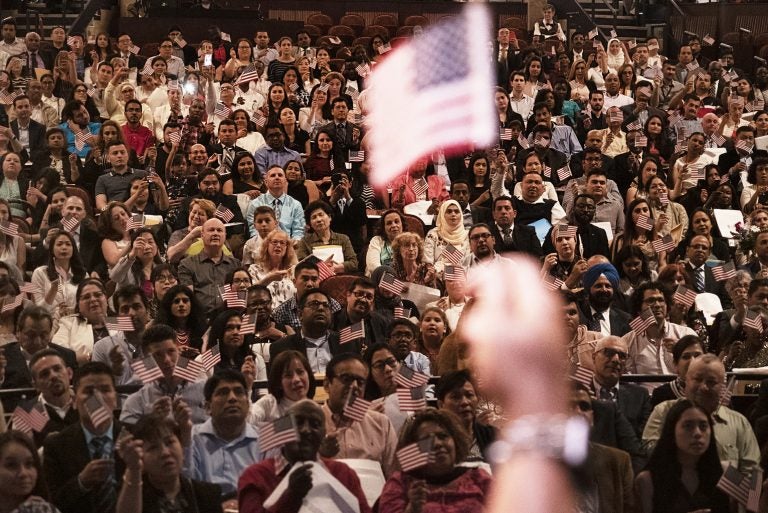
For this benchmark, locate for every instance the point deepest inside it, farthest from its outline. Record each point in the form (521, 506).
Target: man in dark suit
(601, 281)
(471, 214)
(315, 333)
(52, 378)
(82, 472)
(578, 51)
(226, 149)
(610, 355)
(26, 130)
(511, 236)
(641, 110)
(34, 331)
(346, 136)
(36, 57)
(700, 275)
(359, 308)
(124, 47)
(734, 161)
(594, 118)
(349, 214)
(505, 52)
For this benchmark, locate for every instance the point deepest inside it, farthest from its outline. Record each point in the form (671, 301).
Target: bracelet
(558, 437)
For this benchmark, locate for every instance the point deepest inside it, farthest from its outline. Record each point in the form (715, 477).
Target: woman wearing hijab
(449, 230)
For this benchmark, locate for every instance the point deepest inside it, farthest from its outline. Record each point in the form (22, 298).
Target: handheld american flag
(356, 156)
(249, 74)
(81, 139)
(134, 49)
(708, 40)
(187, 369)
(420, 187)
(135, 222)
(70, 223)
(248, 325)
(743, 147)
(433, 82)
(146, 369)
(724, 272)
(325, 269)
(643, 321)
(32, 417)
(278, 433)
(666, 243)
(452, 255)
(584, 376)
(635, 125)
(211, 358)
(402, 313)
(505, 134)
(384, 48)
(753, 320)
(13, 304)
(223, 213)
(97, 411)
(641, 141)
(356, 407)
(592, 33)
(552, 282)
(363, 70)
(411, 399)
(644, 222)
(567, 230)
(684, 296)
(547, 171)
(9, 228)
(664, 199)
(692, 66)
(222, 110)
(745, 489)
(121, 323)
(29, 288)
(352, 332)
(614, 35)
(416, 455)
(391, 284)
(523, 142)
(564, 173)
(454, 273)
(409, 378)
(727, 393)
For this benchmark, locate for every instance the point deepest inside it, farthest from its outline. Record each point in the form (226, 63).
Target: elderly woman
(449, 230)
(391, 224)
(13, 184)
(187, 242)
(154, 457)
(273, 267)
(135, 268)
(290, 380)
(259, 481)
(424, 489)
(408, 260)
(86, 326)
(318, 216)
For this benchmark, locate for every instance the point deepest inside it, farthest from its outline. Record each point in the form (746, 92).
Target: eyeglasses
(480, 236)
(279, 242)
(348, 379)
(609, 353)
(166, 278)
(389, 362)
(316, 305)
(359, 294)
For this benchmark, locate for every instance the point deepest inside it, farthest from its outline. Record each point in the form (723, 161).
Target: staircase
(41, 17)
(609, 15)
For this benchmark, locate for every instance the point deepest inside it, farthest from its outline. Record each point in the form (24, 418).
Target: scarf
(454, 236)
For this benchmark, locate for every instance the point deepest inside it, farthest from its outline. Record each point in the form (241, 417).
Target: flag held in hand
(352, 332)
(278, 433)
(416, 455)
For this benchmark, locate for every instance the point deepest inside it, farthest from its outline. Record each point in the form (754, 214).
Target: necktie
(606, 394)
(700, 279)
(507, 235)
(594, 325)
(502, 55)
(341, 135)
(229, 157)
(276, 207)
(105, 497)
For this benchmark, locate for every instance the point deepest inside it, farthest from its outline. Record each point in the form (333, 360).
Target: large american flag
(416, 455)
(278, 433)
(432, 93)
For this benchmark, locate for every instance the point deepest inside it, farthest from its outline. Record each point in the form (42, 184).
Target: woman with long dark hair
(81, 330)
(135, 267)
(684, 468)
(318, 113)
(225, 333)
(244, 179)
(299, 188)
(380, 252)
(319, 164)
(180, 310)
(22, 486)
(57, 281)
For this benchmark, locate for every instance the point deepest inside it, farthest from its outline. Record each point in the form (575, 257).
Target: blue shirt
(218, 461)
(291, 214)
(93, 128)
(109, 446)
(266, 157)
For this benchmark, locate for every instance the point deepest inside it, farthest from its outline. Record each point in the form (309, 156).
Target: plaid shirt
(288, 313)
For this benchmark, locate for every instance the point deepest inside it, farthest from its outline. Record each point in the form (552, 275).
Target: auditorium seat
(730, 38)
(397, 41)
(336, 64)
(355, 21)
(322, 21)
(363, 41)
(376, 30)
(326, 41)
(404, 31)
(389, 21)
(346, 34)
(761, 40)
(76, 190)
(416, 19)
(313, 30)
(414, 224)
(515, 23)
(149, 49)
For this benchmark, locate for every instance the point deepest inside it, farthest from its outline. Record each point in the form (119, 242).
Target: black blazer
(619, 319)
(17, 373)
(710, 284)
(296, 343)
(134, 61)
(524, 240)
(481, 214)
(36, 138)
(375, 325)
(635, 403)
(66, 455)
(611, 428)
(595, 123)
(503, 69)
(203, 497)
(340, 151)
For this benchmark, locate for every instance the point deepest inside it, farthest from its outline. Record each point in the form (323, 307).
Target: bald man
(704, 382)
(206, 271)
(709, 124)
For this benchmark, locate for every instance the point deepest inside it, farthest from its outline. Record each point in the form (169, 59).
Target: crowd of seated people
(188, 258)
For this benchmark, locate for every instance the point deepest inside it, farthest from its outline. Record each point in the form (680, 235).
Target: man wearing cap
(601, 282)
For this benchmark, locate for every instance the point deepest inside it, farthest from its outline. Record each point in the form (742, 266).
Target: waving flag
(352, 332)
(211, 358)
(135, 222)
(753, 320)
(724, 272)
(452, 255)
(567, 230)
(97, 410)
(29, 288)
(278, 433)
(13, 305)
(402, 313)
(70, 223)
(32, 417)
(409, 378)
(454, 273)
(146, 369)
(433, 82)
(363, 70)
(187, 369)
(222, 110)
(584, 376)
(416, 455)
(356, 407)
(666, 243)
(564, 173)
(643, 321)
(684, 296)
(356, 156)
(81, 139)
(592, 33)
(411, 399)
(121, 323)
(420, 187)
(745, 489)
(174, 137)
(391, 284)
(553, 282)
(505, 134)
(248, 325)
(644, 222)
(223, 213)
